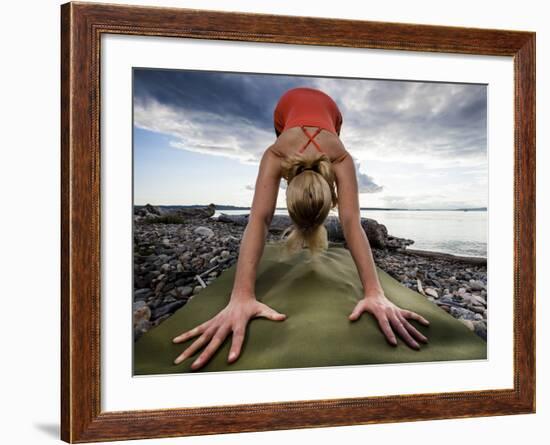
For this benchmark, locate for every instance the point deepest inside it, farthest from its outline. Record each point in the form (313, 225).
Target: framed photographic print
(274, 222)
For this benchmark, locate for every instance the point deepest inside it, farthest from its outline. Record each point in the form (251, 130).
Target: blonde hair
(310, 195)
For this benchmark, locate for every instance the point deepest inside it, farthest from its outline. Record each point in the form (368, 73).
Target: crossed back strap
(310, 139)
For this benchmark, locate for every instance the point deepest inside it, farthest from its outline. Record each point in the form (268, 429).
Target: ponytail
(316, 239)
(310, 195)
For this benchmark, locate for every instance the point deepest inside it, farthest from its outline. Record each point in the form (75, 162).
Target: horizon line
(229, 206)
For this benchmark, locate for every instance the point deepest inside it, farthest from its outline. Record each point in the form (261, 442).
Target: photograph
(293, 221)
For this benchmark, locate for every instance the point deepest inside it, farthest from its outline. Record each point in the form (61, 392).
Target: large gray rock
(147, 210)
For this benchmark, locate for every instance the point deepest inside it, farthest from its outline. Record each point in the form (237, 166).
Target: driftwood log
(377, 234)
(478, 261)
(196, 212)
(172, 214)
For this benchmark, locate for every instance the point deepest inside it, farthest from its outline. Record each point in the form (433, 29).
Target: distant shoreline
(220, 207)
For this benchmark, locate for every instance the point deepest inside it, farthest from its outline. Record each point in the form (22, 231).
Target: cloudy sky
(199, 135)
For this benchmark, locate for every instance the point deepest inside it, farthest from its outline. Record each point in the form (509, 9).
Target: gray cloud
(365, 183)
(203, 131)
(413, 121)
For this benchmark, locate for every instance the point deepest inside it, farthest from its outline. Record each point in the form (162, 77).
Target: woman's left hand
(391, 318)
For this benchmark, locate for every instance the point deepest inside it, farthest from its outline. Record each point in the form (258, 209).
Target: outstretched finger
(191, 333)
(195, 346)
(413, 331)
(386, 328)
(236, 344)
(270, 313)
(403, 333)
(212, 347)
(356, 313)
(414, 316)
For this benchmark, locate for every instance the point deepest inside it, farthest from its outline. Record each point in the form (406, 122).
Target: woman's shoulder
(275, 151)
(342, 156)
(272, 160)
(338, 151)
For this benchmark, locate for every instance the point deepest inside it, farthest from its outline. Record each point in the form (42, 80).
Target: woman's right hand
(233, 318)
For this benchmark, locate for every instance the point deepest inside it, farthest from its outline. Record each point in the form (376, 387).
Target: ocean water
(447, 231)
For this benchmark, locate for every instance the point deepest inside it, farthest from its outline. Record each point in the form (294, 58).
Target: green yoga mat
(317, 296)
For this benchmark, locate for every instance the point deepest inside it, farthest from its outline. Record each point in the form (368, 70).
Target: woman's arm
(255, 233)
(389, 316)
(242, 305)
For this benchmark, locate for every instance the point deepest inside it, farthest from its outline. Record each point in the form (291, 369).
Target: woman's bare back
(291, 140)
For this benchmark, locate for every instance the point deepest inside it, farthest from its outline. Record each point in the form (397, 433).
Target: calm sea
(456, 232)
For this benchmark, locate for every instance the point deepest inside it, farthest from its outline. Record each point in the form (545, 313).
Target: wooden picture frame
(82, 25)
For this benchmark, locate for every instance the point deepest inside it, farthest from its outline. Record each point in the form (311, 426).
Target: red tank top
(304, 106)
(307, 106)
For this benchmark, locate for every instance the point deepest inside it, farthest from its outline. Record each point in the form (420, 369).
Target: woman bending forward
(305, 120)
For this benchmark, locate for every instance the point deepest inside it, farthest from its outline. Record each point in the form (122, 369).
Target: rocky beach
(178, 251)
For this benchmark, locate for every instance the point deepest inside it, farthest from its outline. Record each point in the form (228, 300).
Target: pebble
(468, 323)
(166, 309)
(141, 312)
(462, 313)
(184, 291)
(478, 309)
(141, 328)
(159, 286)
(141, 294)
(477, 285)
(480, 328)
(431, 292)
(204, 231)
